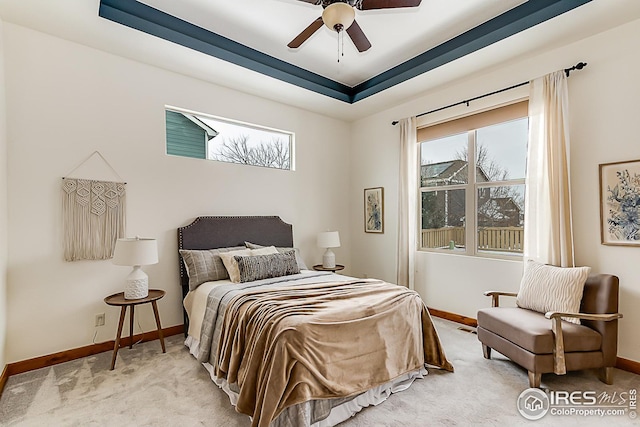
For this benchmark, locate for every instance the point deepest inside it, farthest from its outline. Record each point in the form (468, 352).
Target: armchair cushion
(532, 331)
(548, 288)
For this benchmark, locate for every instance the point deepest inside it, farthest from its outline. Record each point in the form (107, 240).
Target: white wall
(64, 101)
(3, 208)
(604, 112)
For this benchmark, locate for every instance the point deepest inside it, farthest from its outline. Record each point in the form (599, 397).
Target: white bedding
(195, 303)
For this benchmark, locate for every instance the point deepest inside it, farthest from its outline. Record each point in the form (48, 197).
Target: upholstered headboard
(211, 232)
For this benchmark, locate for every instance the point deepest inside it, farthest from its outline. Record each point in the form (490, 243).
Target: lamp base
(329, 259)
(137, 284)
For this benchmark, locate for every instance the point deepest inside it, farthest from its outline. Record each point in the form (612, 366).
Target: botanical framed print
(620, 203)
(374, 210)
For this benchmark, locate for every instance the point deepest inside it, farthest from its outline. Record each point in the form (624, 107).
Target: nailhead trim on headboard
(210, 232)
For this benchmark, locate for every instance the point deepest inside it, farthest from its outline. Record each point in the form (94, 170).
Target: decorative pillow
(205, 266)
(548, 288)
(299, 260)
(267, 266)
(232, 265)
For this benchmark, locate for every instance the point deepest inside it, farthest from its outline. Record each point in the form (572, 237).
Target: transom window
(472, 176)
(203, 136)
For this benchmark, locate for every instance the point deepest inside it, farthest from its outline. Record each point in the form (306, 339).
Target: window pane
(444, 161)
(237, 143)
(501, 219)
(501, 152)
(202, 136)
(443, 219)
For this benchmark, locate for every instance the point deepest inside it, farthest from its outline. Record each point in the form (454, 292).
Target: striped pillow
(267, 266)
(231, 264)
(205, 266)
(547, 288)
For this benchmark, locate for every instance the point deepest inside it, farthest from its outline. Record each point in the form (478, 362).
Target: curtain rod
(578, 66)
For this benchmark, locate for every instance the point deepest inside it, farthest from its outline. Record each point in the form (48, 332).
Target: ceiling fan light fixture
(338, 16)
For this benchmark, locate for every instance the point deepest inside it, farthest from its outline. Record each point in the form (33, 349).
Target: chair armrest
(607, 317)
(559, 366)
(495, 296)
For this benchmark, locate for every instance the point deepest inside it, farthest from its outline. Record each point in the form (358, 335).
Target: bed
(293, 347)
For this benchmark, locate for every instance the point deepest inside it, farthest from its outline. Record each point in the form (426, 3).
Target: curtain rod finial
(579, 66)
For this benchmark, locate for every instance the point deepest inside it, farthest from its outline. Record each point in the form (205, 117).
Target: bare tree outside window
(492, 169)
(494, 172)
(493, 223)
(271, 154)
(199, 135)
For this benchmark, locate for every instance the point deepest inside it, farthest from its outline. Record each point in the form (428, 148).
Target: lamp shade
(329, 239)
(337, 14)
(135, 251)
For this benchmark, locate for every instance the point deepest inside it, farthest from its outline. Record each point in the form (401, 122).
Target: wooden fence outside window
(500, 239)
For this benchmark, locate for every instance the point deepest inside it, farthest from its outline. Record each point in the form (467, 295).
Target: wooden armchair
(544, 343)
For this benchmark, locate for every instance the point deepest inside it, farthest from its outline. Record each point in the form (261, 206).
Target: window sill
(517, 257)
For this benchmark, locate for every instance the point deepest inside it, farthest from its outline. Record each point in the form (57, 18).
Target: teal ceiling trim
(160, 24)
(509, 23)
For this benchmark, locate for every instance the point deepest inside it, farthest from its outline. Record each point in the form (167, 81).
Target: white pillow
(232, 265)
(548, 288)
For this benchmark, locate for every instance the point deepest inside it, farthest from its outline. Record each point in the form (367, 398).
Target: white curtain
(407, 210)
(548, 236)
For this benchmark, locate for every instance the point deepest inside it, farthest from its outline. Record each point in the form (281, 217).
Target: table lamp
(136, 252)
(329, 239)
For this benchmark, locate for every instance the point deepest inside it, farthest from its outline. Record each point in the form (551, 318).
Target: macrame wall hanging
(93, 215)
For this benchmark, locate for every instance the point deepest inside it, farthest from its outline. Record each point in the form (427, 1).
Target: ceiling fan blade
(387, 4)
(312, 1)
(305, 34)
(357, 36)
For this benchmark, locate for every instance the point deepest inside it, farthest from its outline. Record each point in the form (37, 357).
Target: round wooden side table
(119, 300)
(319, 267)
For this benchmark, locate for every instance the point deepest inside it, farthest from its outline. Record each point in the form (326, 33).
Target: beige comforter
(289, 345)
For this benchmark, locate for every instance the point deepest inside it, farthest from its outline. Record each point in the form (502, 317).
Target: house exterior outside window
(472, 173)
(186, 135)
(202, 136)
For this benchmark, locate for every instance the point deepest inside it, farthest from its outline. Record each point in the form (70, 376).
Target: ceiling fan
(339, 15)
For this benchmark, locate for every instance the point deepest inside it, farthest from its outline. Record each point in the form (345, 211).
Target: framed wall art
(374, 210)
(620, 203)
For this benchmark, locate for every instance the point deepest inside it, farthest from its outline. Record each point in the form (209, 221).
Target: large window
(207, 137)
(471, 181)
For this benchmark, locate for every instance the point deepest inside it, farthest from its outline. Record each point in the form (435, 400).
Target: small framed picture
(374, 210)
(620, 203)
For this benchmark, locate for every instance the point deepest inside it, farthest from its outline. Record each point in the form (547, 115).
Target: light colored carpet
(149, 388)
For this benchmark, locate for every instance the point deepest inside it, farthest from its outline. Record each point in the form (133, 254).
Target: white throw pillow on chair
(548, 288)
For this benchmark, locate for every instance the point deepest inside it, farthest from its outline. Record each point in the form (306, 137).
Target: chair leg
(534, 380)
(486, 351)
(606, 375)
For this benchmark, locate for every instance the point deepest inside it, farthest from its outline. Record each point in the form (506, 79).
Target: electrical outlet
(100, 319)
